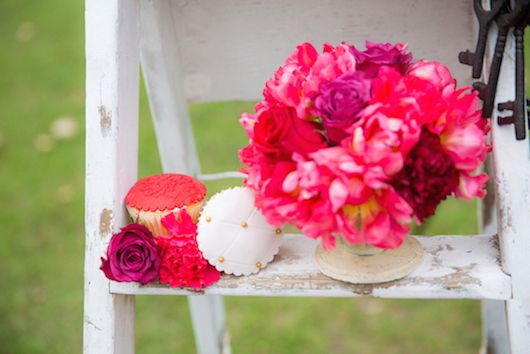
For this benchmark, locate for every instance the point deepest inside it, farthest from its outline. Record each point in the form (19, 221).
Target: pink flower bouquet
(361, 143)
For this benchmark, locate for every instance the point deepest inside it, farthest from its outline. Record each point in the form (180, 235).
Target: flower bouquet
(358, 144)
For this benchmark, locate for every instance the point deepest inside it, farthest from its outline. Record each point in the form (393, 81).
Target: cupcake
(154, 197)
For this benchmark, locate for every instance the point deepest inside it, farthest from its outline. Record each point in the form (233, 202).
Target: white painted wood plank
(494, 330)
(209, 324)
(453, 267)
(163, 77)
(112, 67)
(159, 55)
(512, 180)
(229, 48)
(494, 322)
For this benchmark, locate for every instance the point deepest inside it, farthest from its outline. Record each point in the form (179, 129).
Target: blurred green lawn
(42, 237)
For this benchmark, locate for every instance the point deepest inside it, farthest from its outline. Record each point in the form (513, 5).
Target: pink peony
(434, 72)
(332, 193)
(286, 86)
(132, 255)
(377, 55)
(442, 160)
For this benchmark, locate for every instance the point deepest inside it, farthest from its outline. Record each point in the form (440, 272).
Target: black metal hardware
(506, 18)
(484, 18)
(519, 106)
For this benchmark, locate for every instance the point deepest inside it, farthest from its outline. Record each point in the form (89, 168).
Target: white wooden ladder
(221, 50)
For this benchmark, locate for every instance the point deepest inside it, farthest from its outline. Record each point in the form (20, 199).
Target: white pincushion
(234, 236)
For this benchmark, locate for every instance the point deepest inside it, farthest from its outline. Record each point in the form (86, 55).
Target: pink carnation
(182, 262)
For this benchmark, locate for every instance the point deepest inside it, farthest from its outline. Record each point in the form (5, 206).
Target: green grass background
(42, 235)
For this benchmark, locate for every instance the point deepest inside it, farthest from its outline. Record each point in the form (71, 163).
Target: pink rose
(132, 255)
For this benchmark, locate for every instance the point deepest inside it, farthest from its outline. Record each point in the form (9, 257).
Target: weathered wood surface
(111, 163)
(453, 267)
(494, 326)
(512, 180)
(227, 49)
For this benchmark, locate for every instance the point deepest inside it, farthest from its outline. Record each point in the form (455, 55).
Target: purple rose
(132, 255)
(340, 101)
(378, 54)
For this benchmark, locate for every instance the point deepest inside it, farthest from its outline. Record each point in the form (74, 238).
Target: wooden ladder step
(453, 267)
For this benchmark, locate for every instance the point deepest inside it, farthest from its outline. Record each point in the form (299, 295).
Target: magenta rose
(339, 102)
(378, 54)
(132, 255)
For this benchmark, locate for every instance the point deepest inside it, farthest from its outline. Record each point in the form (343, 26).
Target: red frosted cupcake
(154, 197)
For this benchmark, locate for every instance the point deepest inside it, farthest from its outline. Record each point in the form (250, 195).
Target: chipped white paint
(160, 58)
(227, 49)
(453, 267)
(111, 160)
(512, 181)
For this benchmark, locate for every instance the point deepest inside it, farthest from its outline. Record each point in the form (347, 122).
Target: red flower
(279, 132)
(182, 262)
(428, 176)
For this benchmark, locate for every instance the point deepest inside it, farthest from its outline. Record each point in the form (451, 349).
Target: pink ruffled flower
(434, 72)
(182, 262)
(332, 193)
(286, 85)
